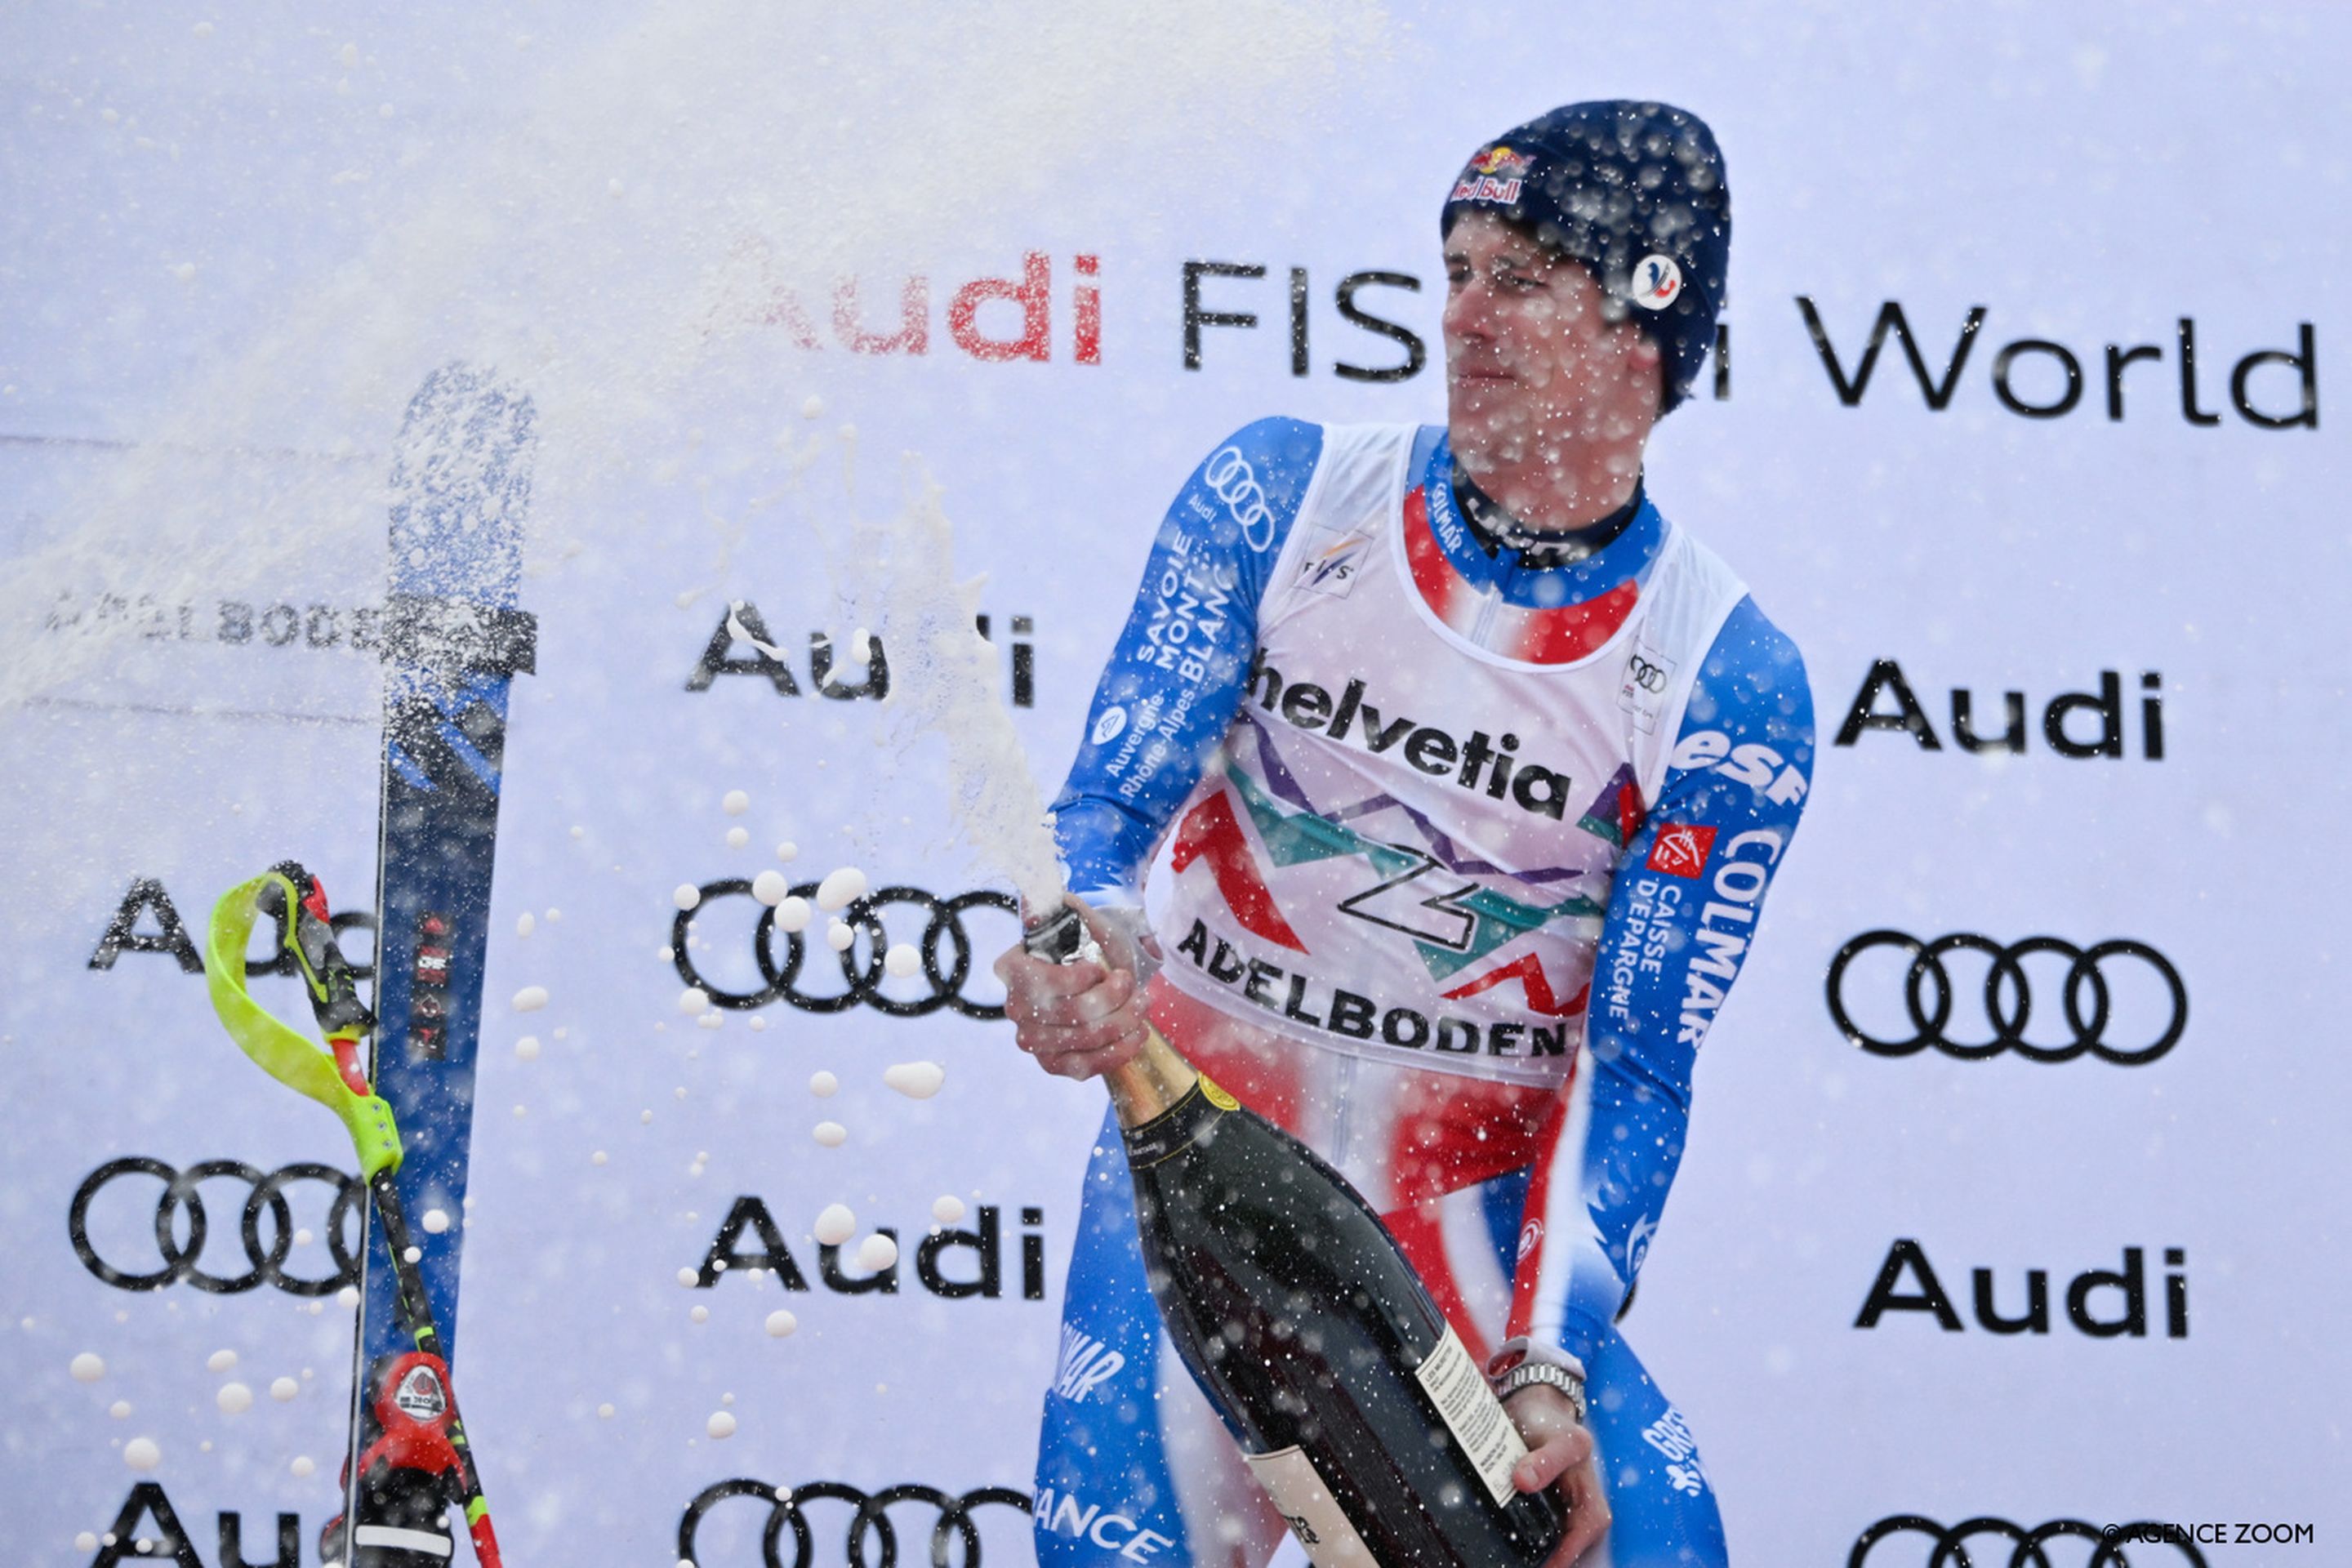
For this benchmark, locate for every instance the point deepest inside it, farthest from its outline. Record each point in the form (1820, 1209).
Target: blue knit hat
(1635, 191)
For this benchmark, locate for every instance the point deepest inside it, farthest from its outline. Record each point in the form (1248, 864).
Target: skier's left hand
(1560, 1453)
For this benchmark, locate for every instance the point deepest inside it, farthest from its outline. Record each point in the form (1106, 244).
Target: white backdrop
(236, 243)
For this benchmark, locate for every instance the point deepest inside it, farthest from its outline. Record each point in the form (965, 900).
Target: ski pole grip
(292, 1058)
(310, 944)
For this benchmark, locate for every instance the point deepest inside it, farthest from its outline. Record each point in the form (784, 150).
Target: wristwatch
(1534, 1372)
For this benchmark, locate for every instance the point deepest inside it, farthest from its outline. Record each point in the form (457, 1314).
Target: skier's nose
(1469, 311)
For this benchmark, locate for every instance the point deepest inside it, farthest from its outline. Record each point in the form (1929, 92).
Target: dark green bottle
(1350, 1395)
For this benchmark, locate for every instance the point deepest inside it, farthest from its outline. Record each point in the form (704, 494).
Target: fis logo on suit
(2080, 725)
(148, 1529)
(824, 1522)
(955, 939)
(1986, 1541)
(2042, 998)
(1333, 559)
(135, 1235)
(2104, 1303)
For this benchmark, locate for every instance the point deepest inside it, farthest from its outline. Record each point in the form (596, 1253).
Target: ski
(454, 638)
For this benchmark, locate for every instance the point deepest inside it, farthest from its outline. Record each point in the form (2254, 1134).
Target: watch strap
(1527, 1374)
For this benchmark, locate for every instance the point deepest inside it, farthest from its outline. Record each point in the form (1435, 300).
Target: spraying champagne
(1356, 1406)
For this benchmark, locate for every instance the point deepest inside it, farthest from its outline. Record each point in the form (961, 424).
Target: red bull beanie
(1635, 191)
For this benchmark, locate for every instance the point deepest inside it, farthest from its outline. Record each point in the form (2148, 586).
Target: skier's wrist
(1523, 1363)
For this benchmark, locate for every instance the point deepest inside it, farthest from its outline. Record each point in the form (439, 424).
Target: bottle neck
(1149, 1087)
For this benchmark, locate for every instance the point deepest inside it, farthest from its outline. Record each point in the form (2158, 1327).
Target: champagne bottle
(1352, 1398)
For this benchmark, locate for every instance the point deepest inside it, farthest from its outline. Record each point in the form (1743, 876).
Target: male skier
(1460, 774)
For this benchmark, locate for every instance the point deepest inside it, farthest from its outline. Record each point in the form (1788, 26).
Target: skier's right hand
(1078, 1020)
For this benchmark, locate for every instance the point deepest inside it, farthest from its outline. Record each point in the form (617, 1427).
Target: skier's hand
(1560, 1453)
(1077, 1019)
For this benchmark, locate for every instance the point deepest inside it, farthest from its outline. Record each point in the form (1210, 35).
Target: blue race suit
(1455, 841)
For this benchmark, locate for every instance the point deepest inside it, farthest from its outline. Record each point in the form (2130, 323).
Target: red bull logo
(1494, 176)
(1486, 188)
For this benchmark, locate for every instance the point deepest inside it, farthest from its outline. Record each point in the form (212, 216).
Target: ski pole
(337, 1079)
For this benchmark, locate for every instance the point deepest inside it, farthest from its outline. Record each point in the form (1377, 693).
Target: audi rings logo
(181, 1259)
(873, 1535)
(1232, 481)
(946, 947)
(1647, 676)
(2112, 1546)
(1928, 993)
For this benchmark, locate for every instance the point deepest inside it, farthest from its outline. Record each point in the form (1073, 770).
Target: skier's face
(1540, 369)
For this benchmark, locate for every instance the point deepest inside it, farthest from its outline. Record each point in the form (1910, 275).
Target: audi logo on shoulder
(2111, 1546)
(1231, 480)
(1647, 676)
(873, 1536)
(1928, 995)
(943, 977)
(182, 1194)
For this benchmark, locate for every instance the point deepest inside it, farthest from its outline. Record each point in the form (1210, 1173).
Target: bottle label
(1454, 1384)
(1188, 1121)
(1307, 1506)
